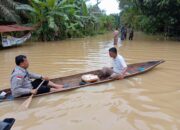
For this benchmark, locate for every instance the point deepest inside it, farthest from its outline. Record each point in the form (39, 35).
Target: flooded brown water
(146, 102)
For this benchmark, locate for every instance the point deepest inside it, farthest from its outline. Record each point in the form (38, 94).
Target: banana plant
(47, 12)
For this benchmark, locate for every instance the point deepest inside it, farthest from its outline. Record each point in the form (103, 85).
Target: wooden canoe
(74, 80)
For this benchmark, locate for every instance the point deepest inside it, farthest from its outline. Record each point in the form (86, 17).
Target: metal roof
(14, 28)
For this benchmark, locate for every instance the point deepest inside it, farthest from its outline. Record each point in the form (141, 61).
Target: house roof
(14, 28)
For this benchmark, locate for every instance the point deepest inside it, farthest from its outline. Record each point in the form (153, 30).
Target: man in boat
(21, 83)
(119, 65)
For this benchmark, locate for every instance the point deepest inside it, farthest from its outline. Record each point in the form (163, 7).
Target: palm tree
(8, 11)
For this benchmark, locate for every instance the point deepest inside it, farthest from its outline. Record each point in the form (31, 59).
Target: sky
(110, 6)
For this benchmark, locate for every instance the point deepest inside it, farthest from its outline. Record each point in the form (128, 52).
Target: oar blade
(26, 103)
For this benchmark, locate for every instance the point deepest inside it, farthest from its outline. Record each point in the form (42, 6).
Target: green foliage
(59, 19)
(8, 12)
(151, 16)
(50, 16)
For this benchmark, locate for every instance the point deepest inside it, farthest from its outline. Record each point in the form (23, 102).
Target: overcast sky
(110, 6)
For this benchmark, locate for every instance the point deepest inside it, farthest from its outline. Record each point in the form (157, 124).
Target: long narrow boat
(74, 80)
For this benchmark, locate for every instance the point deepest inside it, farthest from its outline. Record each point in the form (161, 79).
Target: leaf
(84, 9)
(9, 14)
(25, 7)
(40, 3)
(51, 3)
(59, 14)
(67, 6)
(51, 22)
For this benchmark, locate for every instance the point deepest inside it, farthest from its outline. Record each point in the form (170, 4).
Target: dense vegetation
(8, 12)
(152, 16)
(57, 19)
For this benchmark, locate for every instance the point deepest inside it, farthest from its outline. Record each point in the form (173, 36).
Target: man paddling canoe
(21, 83)
(119, 65)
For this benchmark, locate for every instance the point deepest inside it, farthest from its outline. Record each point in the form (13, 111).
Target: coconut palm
(8, 11)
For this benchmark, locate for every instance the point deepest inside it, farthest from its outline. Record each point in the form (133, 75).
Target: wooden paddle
(27, 102)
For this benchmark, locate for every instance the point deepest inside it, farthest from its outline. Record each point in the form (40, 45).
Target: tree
(8, 11)
(151, 15)
(46, 15)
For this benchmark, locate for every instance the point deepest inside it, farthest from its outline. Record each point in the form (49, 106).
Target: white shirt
(119, 64)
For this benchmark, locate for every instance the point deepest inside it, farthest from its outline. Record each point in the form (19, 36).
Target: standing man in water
(131, 34)
(122, 33)
(21, 83)
(116, 36)
(119, 65)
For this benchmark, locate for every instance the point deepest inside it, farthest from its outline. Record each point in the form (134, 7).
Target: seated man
(21, 83)
(119, 65)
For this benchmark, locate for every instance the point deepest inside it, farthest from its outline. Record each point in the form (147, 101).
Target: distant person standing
(122, 33)
(131, 34)
(125, 33)
(116, 35)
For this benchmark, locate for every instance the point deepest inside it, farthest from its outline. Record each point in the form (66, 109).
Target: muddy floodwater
(150, 101)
